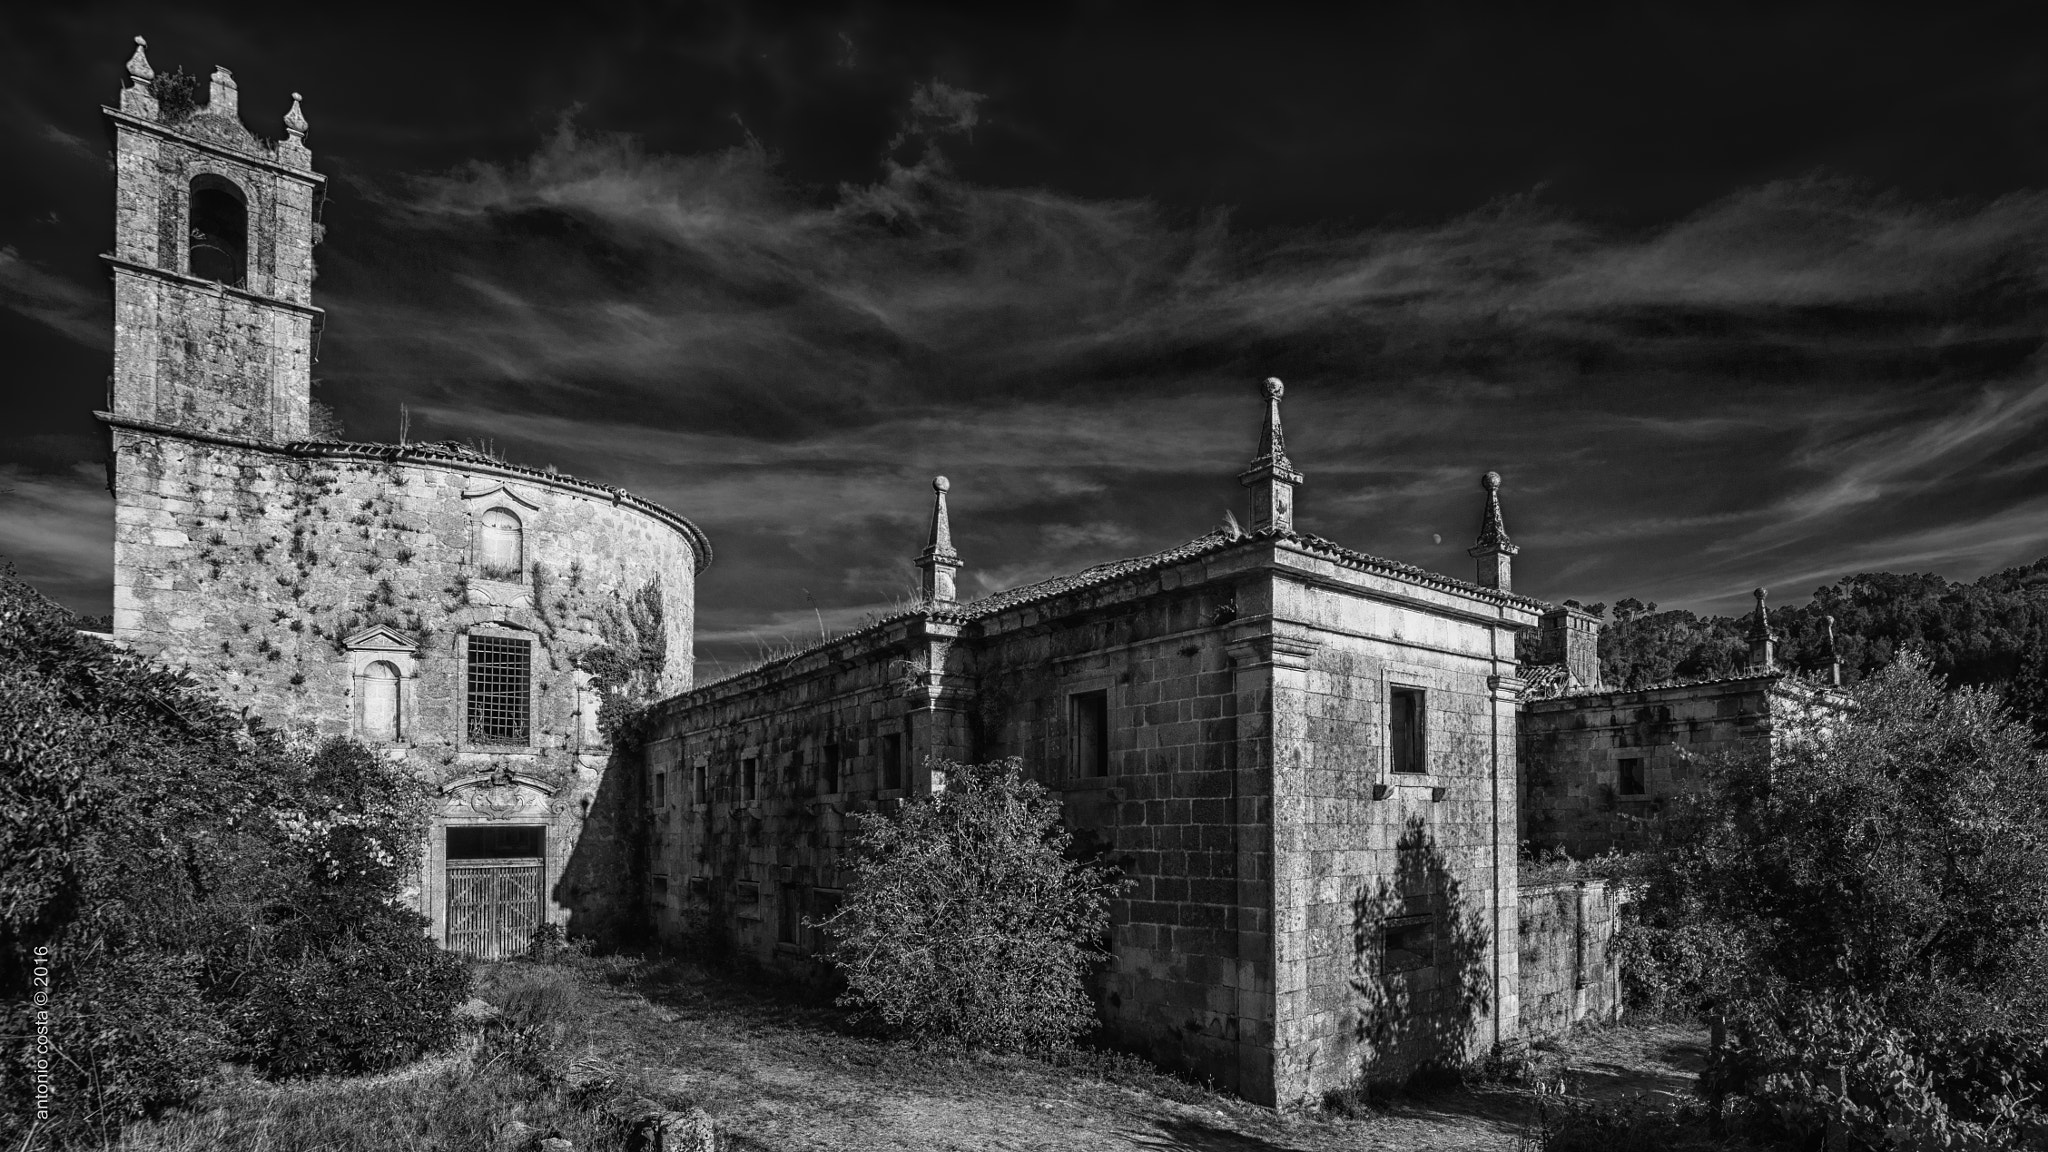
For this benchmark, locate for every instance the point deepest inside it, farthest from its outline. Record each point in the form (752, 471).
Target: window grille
(500, 689)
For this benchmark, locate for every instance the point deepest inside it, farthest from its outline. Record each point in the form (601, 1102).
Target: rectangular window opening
(824, 905)
(748, 771)
(1406, 736)
(892, 761)
(1631, 776)
(828, 770)
(661, 789)
(1088, 733)
(789, 916)
(496, 842)
(500, 689)
(697, 789)
(1407, 943)
(794, 776)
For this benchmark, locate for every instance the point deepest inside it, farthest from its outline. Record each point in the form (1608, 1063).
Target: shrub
(201, 886)
(967, 921)
(1867, 904)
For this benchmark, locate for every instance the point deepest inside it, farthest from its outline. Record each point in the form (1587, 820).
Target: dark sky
(1731, 295)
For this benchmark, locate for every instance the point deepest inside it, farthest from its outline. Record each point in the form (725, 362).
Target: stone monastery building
(1317, 765)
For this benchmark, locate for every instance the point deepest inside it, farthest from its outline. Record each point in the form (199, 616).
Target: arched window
(500, 545)
(220, 231)
(380, 701)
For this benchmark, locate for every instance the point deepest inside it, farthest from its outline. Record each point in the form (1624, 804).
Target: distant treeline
(1992, 632)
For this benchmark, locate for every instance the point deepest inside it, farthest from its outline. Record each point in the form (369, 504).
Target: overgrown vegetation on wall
(967, 922)
(180, 886)
(1993, 632)
(1868, 910)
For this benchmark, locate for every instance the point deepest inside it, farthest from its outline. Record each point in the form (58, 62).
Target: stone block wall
(1183, 809)
(749, 862)
(254, 566)
(1567, 974)
(1573, 748)
(1366, 857)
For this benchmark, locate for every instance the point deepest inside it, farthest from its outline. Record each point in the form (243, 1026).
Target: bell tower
(214, 325)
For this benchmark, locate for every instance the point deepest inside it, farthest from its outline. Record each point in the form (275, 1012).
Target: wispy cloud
(58, 531)
(76, 312)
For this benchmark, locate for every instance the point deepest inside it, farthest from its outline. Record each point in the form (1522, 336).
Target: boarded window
(1408, 943)
(892, 761)
(220, 232)
(789, 916)
(1631, 776)
(828, 770)
(380, 701)
(501, 545)
(500, 689)
(1088, 733)
(1406, 735)
(748, 769)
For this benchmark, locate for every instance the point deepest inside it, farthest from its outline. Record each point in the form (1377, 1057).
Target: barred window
(500, 689)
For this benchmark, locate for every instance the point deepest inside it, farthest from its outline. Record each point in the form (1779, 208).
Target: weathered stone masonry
(1246, 785)
(340, 588)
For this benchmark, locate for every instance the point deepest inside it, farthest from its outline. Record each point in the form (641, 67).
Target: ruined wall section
(1366, 858)
(1567, 972)
(1575, 751)
(1182, 810)
(254, 567)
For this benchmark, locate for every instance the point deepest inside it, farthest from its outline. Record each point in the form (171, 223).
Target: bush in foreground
(180, 886)
(967, 921)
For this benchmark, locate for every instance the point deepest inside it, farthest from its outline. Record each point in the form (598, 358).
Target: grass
(583, 1046)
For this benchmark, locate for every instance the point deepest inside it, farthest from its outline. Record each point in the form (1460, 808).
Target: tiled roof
(1114, 570)
(457, 453)
(1545, 681)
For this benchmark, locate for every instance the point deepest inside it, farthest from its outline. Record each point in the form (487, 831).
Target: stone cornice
(318, 314)
(431, 457)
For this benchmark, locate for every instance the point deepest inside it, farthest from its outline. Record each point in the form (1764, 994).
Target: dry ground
(781, 1074)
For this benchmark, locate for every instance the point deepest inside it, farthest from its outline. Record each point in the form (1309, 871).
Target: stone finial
(295, 120)
(138, 64)
(222, 97)
(938, 562)
(138, 97)
(1495, 552)
(1271, 477)
(1762, 644)
(1834, 655)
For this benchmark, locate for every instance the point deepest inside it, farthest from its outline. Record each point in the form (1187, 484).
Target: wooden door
(493, 906)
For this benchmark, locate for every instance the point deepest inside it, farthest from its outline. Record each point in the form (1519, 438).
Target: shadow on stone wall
(1419, 963)
(604, 881)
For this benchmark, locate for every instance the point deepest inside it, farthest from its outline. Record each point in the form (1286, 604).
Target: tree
(968, 921)
(1871, 893)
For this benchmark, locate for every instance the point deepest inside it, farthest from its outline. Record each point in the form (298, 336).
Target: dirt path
(779, 1077)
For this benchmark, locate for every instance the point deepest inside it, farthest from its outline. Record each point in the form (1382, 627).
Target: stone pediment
(226, 131)
(381, 639)
(501, 489)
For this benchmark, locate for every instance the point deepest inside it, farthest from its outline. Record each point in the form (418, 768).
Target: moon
(1435, 539)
